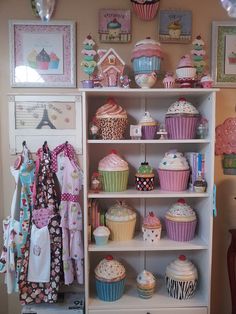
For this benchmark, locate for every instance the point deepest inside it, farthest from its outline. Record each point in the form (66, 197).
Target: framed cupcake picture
(114, 26)
(175, 26)
(42, 54)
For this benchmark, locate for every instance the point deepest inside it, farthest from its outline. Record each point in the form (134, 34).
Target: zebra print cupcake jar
(181, 278)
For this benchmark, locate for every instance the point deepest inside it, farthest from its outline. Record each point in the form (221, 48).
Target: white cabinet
(135, 254)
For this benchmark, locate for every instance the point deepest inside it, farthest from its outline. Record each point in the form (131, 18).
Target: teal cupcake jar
(110, 278)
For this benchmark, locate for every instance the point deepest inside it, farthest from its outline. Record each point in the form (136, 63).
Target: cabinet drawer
(192, 310)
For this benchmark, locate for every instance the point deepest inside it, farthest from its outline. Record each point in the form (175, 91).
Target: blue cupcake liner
(110, 291)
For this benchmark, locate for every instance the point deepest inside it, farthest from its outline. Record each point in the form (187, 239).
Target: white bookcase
(135, 254)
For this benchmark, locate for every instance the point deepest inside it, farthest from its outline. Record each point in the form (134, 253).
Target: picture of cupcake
(43, 60)
(181, 120)
(174, 29)
(110, 278)
(232, 58)
(121, 219)
(149, 126)
(185, 68)
(151, 229)
(181, 278)
(180, 221)
(114, 172)
(31, 58)
(146, 283)
(112, 120)
(173, 172)
(144, 178)
(101, 235)
(54, 61)
(114, 29)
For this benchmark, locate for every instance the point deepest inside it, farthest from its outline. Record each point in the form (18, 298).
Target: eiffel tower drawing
(45, 121)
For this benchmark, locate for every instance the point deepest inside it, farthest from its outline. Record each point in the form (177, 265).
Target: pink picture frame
(42, 54)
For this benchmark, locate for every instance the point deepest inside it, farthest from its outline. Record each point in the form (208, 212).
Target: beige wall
(85, 14)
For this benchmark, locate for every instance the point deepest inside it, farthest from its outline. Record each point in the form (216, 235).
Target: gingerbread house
(111, 68)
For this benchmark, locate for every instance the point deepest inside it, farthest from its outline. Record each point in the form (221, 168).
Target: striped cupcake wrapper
(146, 12)
(110, 291)
(180, 290)
(180, 231)
(181, 127)
(114, 181)
(173, 180)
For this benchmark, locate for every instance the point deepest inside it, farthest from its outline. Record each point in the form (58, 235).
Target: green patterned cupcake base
(114, 181)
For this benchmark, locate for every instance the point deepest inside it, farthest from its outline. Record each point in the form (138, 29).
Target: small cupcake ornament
(169, 80)
(144, 178)
(206, 81)
(146, 283)
(151, 229)
(181, 278)
(149, 126)
(146, 10)
(101, 235)
(185, 71)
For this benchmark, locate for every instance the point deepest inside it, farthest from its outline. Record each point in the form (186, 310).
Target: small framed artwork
(224, 54)
(38, 118)
(42, 54)
(114, 26)
(175, 26)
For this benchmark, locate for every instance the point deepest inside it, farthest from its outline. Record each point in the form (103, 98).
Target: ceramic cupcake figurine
(173, 172)
(146, 283)
(151, 229)
(169, 80)
(207, 81)
(149, 126)
(181, 278)
(145, 10)
(181, 120)
(114, 172)
(180, 221)
(101, 235)
(121, 219)
(144, 178)
(112, 120)
(185, 71)
(110, 279)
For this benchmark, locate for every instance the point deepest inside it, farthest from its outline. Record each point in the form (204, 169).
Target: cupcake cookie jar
(180, 222)
(181, 278)
(110, 279)
(149, 126)
(146, 57)
(151, 229)
(181, 120)
(173, 172)
(146, 283)
(121, 219)
(144, 178)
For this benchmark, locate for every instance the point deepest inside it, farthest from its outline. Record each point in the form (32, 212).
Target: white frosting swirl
(109, 270)
(101, 231)
(120, 212)
(182, 106)
(174, 161)
(113, 162)
(147, 119)
(182, 269)
(146, 278)
(206, 78)
(181, 211)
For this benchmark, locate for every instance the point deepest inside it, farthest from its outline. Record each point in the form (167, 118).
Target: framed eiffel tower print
(38, 118)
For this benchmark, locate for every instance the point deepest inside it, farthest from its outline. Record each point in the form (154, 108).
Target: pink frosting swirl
(111, 109)
(113, 162)
(185, 62)
(151, 221)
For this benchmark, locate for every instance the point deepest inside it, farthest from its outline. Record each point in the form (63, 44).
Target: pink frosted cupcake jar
(185, 68)
(180, 222)
(181, 120)
(173, 172)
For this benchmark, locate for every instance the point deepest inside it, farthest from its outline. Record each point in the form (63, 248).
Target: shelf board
(137, 244)
(129, 141)
(160, 299)
(156, 193)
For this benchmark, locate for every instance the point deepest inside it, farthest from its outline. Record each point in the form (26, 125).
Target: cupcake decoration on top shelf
(199, 56)
(144, 178)
(206, 81)
(181, 278)
(146, 283)
(169, 80)
(186, 72)
(146, 10)
(151, 229)
(146, 60)
(88, 64)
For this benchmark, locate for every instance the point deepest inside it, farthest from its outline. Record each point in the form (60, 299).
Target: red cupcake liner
(180, 231)
(146, 12)
(173, 180)
(181, 127)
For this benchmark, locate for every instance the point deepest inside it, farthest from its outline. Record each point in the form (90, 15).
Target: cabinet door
(200, 310)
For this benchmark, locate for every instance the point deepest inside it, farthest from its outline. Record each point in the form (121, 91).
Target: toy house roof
(112, 67)
(109, 51)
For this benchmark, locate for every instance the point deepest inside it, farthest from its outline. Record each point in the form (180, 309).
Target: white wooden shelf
(160, 299)
(137, 244)
(156, 193)
(130, 141)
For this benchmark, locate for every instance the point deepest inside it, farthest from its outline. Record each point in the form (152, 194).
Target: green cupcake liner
(114, 181)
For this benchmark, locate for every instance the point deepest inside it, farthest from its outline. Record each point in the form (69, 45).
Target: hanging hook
(66, 142)
(24, 144)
